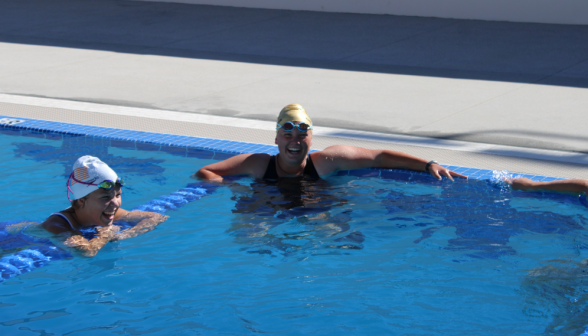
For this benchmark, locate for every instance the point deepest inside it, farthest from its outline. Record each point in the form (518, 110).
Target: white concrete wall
(542, 11)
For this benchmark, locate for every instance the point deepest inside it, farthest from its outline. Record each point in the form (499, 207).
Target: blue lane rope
(36, 252)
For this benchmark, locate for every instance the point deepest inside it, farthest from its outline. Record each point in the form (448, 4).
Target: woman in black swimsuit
(294, 139)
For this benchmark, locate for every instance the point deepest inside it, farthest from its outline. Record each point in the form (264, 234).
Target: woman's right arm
(89, 248)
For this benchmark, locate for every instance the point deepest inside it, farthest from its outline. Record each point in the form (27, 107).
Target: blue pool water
(396, 253)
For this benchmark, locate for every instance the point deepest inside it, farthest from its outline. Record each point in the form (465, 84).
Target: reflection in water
(559, 290)
(292, 214)
(74, 146)
(482, 217)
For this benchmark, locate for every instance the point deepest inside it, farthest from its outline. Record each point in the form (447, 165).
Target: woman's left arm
(341, 157)
(146, 221)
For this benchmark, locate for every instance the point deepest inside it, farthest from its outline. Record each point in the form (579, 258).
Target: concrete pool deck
(494, 95)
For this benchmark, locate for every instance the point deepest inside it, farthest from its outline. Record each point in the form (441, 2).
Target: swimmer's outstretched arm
(253, 165)
(575, 186)
(341, 157)
(146, 221)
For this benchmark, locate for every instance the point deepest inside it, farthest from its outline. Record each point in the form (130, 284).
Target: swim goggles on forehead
(289, 126)
(106, 184)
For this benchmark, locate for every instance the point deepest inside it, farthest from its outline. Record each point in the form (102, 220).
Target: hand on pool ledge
(438, 171)
(574, 186)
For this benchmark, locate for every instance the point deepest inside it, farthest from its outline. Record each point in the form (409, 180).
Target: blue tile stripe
(222, 148)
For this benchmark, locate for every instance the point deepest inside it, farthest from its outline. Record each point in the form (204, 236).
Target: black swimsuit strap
(272, 173)
(310, 170)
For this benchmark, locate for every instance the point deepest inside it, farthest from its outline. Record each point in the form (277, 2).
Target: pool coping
(36, 128)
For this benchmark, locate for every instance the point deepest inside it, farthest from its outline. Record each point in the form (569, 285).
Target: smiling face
(293, 145)
(99, 207)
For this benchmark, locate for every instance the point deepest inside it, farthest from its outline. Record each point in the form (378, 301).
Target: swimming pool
(392, 253)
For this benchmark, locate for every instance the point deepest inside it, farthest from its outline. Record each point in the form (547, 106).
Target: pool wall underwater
(192, 146)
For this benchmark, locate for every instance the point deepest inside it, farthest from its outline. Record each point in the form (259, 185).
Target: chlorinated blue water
(396, 253)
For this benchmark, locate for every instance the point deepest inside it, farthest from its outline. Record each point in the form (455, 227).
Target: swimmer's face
(101, 206)
(293, 145)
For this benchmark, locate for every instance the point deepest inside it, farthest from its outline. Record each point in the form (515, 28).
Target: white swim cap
(88, 172)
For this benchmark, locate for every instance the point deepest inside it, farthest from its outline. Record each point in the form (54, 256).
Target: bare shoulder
(259, 158)
(328, 160)
(257, 164)
(342, 152)
(253, 164)
(342, 157)
(247, 157)
(56, 224)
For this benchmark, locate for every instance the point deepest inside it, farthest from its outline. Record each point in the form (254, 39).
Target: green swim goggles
(289, 126)
(106, 184)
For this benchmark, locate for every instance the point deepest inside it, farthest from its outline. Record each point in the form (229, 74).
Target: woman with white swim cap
(294, 139)
(95, 204)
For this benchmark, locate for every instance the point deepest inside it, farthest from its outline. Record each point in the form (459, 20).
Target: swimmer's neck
(298, 169)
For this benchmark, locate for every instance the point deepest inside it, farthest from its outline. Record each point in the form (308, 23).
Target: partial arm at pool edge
(575, 186)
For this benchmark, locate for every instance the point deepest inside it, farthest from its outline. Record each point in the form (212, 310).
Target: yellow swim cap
(294, 112)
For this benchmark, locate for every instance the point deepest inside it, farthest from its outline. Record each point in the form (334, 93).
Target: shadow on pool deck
(468, 49)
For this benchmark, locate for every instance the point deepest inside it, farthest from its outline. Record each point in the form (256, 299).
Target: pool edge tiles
(35, 127)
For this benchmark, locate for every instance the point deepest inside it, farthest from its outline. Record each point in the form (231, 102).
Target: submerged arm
(146, 221)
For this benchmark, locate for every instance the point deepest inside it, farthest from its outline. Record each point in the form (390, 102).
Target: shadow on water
(74, 146)
(469, 49)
